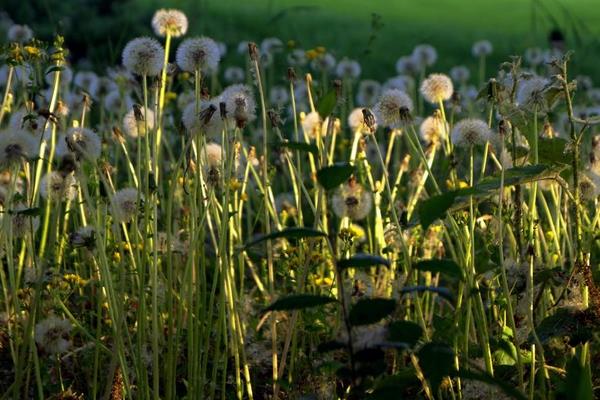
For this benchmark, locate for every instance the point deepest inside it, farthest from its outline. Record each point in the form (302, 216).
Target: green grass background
(343, 26)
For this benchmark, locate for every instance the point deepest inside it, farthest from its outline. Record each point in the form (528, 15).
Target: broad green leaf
(289, 233)
(299, 301)
(334, 175)
(404, 332)
(28, 212)
(443, 266)
(327, 103)
(436, 361)
(578, 383)
(389, 388)
(361, 260)
(565, 322)
(552, 151)
(300, 146)
(435, 207)
(369, 311)
(442, 291)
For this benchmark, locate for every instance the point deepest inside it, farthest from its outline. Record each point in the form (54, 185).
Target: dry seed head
(136, 120)
(169, 21)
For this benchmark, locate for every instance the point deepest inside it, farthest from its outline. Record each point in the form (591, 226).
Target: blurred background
(374, 32)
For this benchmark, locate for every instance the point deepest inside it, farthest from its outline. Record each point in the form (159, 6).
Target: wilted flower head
(393, 109)
(470, 132)
(136, 120)
(198, 54)
(348, 69)
(125, 204)
(16, 146)
(240, 104)
(436, 88)
(169, 21)
(368, 92)
(58, 187)
(234, 75)
(352, 200)
(208, 120)
(530, 94)
(143, 56)
(460, 74)
(52, 334)
(434, 129)
(589, 185)
(425, 55)
(19, 33)
(482, 48)
(356, 121)
(81, 142)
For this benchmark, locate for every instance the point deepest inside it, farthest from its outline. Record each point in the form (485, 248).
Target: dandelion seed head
(368, 93)
(436, 88)
(234, 75)
(279, 96)
(208, 120)
(240, 104)
(352, 200)
(135, 122)
(482, 48)
(52, 334)
(433, 129)
(80, 142)
(348, 69)
(405, 83)
(471, 132)
(198, 54)
(271, 45)
(143, 56)
(16, 146)
(19, 33)
(125, 204)
(407, 65)
(394, 109)
(169, 21)
(312, 124)
(297, 58)
(460, 74)
(58, 187)
(530, 93)
(21, 119)
(425, 55)
(115, 102)
(87, 81)
(324, 62)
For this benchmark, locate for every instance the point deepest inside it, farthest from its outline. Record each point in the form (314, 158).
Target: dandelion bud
(291, 74)
(253, 51)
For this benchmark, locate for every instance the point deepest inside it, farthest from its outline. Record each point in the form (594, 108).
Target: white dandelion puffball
(425, 54)
(470, 132)
(405, 83)
(52, 334)
(271, 45)
(234, 75)
(116, 102)
(482, 48)
(22, 223)
(433, 129)
(23, 119)
(460, 74)
(57, 187)
(348, 69)
(436, 88)
(212, 155)
(66, 76)
(19, 33)
(125, 204)
(80, 142)
(312, 124)
(534, 56)
(87, 81)
(169, 21)
(356, 122)
(198, 54)
(394, 108)
(407, 65)
(143, 56)
(530, 93)
(368, 92)
(297, 58)
(352, 200)
(279, 96)
(240, 104)
(17, 145)
(136, 120)
(208, 120)
(325, 62)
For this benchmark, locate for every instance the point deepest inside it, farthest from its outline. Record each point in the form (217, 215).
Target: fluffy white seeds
(368, 92)
(460, 74)
(348, 69)
(234, 75)
(436, 88)
(425, 55)
(433, 129)
(125, 204)
(482, 48)
(57, 187)
(198, 54)
(207, 121)
(19, 33)
(87, 81)
(136, 120)
(279, 96)
(169, 21)
(356, 122)
(80, 142)
(17, 145)
(530, 93)
(240, 104)
(312, 124)
(470, 132)
(143, 56)
(52, 334)
(352, 200)
(393, 109)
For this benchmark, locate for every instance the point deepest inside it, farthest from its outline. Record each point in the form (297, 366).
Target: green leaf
(327, 103)
(443, 266)
(405, 332)
(334, 175)
(578, 383)
(298, 302)
(442, 291)
(390, 387)
(436, 361)
(300, 146)
(28, 212)
(435, 207)
(565, 322)
(552, 151)
(289, 233)
(362, 260)
(369, 311)
(54, 69)
(515, 176)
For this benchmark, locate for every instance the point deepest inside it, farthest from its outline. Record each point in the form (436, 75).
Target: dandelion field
(185, 226)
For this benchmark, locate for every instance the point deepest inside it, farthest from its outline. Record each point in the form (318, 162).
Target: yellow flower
(170, 96)
(291, 44)
(461, 185)
(185, 76)
(234, 184)
(33, 51)
(117, 257)
(320, 49)
(75, 279)
(311, 54)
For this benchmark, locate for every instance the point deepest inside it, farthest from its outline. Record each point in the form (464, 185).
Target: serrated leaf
(404, 332)
(443, 266)
(327, 103)
(369, 311)
(300, 146)
(298, 302)
(289, 233)
(334, 175)
(362, 260)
